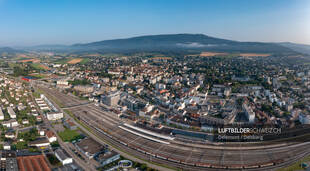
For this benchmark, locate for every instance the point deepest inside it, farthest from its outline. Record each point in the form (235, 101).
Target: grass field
(85, 61)
(208, 54)
(69, 135)
(255, 54)
(62, 61)
(38, 76)
(30, 60)
(75, 61)
(40, 66)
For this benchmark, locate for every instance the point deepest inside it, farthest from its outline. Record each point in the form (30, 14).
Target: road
(64, 145)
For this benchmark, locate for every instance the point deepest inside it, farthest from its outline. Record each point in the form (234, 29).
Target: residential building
(63, 157)
(11, 112)
(52, 116)
(1, 114)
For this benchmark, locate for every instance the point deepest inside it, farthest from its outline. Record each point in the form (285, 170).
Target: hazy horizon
(33, 22)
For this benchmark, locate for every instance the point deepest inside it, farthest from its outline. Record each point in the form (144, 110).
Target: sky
(35, 22)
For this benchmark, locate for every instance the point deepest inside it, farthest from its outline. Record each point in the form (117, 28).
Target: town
(46, 103)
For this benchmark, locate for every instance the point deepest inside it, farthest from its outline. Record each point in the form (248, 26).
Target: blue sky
(33, 22)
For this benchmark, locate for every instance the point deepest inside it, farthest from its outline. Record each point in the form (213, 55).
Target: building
(51, 136)
(11, 112)
(90, 147)
(227, 92)
(248, 113)
(63, 157)
(133, 104)
(275, 83)
(10, 123)
(8, 161)
(7, 146)
(40, 142)
(70, 125)
(62, 82)
(10, 134)
(111, 99)
(84, 89)
(34, 162)
(6, 124)
(304, 118)
(1, 114)
(105, 158)
(52, 116)
(13, 122)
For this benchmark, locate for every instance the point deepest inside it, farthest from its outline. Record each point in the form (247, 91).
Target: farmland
(75, 61)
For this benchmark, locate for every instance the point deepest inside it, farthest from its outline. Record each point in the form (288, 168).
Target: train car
(174, 160)
(279, 161)
(251, 166)
(142, 151)
(161, 157)
(188, 163)
(267, 164)
(132, 146)
(203, 165)
(218, 167)
(123, 143)
(235, 167)
(151, 154)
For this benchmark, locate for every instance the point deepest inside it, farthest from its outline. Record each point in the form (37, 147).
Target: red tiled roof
(50, 134)
(36, 163)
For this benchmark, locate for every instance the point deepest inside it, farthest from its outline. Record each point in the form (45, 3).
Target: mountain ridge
(182, 42)
(173, 43)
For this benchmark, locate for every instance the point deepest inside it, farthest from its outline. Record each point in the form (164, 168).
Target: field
(208, 54)
(84, 61)
(30, 60)
(61, 61)
(255, 54)
(69, 135)
(39, 76)
(161, 58)
(75, 61)
(40, 66)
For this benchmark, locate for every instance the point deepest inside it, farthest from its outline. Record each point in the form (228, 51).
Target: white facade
(54, 116)
(1, 114)
(249, 113)
(62, 82)
(62, 157)
(14, 124)
(6, 124)
(7, 147)
(52, 139)
(11, 113)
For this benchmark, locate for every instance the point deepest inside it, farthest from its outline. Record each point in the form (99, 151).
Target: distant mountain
(48, 47)
(9, 51)
(169, 43)
(301, 48)
(180, 42)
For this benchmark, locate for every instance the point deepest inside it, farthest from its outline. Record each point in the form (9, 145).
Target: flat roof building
(63, 157)
(105, 158)
(52, 116)
(11, 112)
(90, 147)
